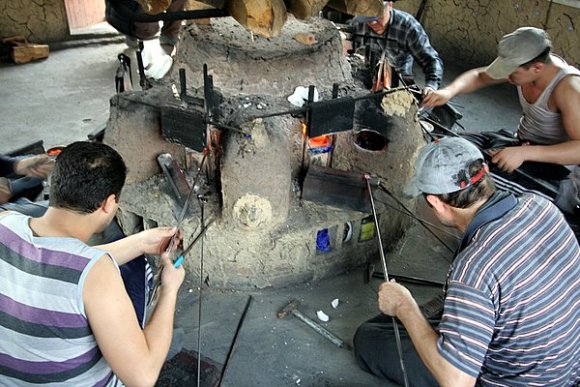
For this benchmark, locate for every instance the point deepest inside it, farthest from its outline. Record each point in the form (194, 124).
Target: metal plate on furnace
(184, 127)
(332, 187)
(335, 115)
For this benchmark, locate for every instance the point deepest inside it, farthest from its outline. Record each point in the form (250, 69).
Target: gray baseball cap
(443, 167)
(517, 48)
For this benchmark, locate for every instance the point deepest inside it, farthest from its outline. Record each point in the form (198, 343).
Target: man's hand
(510, 158)
(155, 240)
(5, 191)
(393, 296)
(171, 277)
(436, 97)
(427, 91)
(37, 166)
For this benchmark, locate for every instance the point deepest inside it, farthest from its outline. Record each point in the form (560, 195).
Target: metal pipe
(421, 222)
(234, 340)
(201, 204)
(386, 273)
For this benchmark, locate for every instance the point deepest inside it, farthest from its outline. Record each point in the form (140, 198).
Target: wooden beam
(304, 9)
(358, 7)
(262, 17)
(154, 7)
(196, 5)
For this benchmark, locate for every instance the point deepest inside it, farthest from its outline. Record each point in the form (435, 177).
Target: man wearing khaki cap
(549, 93)
(512, 295)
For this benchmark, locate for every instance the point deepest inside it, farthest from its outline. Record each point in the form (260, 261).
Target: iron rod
(234, 340)
(201, 203)
(381, 186)
(386, 273)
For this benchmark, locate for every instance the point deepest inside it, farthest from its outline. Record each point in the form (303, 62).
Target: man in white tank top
(549, 92)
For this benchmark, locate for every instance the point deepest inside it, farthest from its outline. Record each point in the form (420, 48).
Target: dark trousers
(169, 28)
(375, 350)
(118, 13)
(560, 189)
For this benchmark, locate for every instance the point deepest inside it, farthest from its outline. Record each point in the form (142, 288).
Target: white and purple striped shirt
(46, 337)
(512, 309)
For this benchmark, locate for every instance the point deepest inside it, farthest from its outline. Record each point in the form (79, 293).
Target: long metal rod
(408, 213)
(183, 212)
(386, 272)
(234, 340)
(201, 203)
(421, 222)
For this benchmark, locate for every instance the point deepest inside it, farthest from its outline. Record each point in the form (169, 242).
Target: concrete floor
(65, 97)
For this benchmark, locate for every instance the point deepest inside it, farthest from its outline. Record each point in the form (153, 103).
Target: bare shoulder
(102, 279)
(568, 87)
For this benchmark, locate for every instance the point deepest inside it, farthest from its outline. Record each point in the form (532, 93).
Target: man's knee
(360, 348)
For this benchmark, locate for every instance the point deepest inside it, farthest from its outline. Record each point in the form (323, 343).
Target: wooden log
(201, 5)
(29, 52)
(153, 7)
(358, 7)
(304, 9)
(23, 52)
(196, 5)
(262, 17)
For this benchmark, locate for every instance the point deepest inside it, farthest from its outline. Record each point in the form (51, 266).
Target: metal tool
(386, 273)
(234, 340)
(174, 175)
(421, 221)
(292, 308)
(194, 188)
(201, 200)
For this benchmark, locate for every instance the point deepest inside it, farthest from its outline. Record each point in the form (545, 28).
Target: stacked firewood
(267, 17)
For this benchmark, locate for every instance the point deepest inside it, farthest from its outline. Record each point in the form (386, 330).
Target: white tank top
(538, 124)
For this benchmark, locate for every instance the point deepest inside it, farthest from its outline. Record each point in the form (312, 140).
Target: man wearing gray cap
(549, 93)
(512, 295)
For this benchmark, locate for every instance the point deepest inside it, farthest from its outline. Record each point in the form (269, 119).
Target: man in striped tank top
(65, 316)
(547, 141)
(511, 311)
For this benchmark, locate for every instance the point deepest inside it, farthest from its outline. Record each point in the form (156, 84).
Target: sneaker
(167, 40)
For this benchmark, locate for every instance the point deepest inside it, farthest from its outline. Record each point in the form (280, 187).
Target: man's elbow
(141, 378)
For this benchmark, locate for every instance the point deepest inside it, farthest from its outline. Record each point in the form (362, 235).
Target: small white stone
(322, 316)
(335, 303)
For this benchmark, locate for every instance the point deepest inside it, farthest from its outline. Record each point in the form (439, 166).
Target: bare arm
(153, 241)
(136, 356)
(395, 299)
(566, 100)
(465, 83)
(36, 166)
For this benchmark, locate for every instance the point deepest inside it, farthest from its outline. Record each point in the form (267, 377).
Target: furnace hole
(370, 140)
